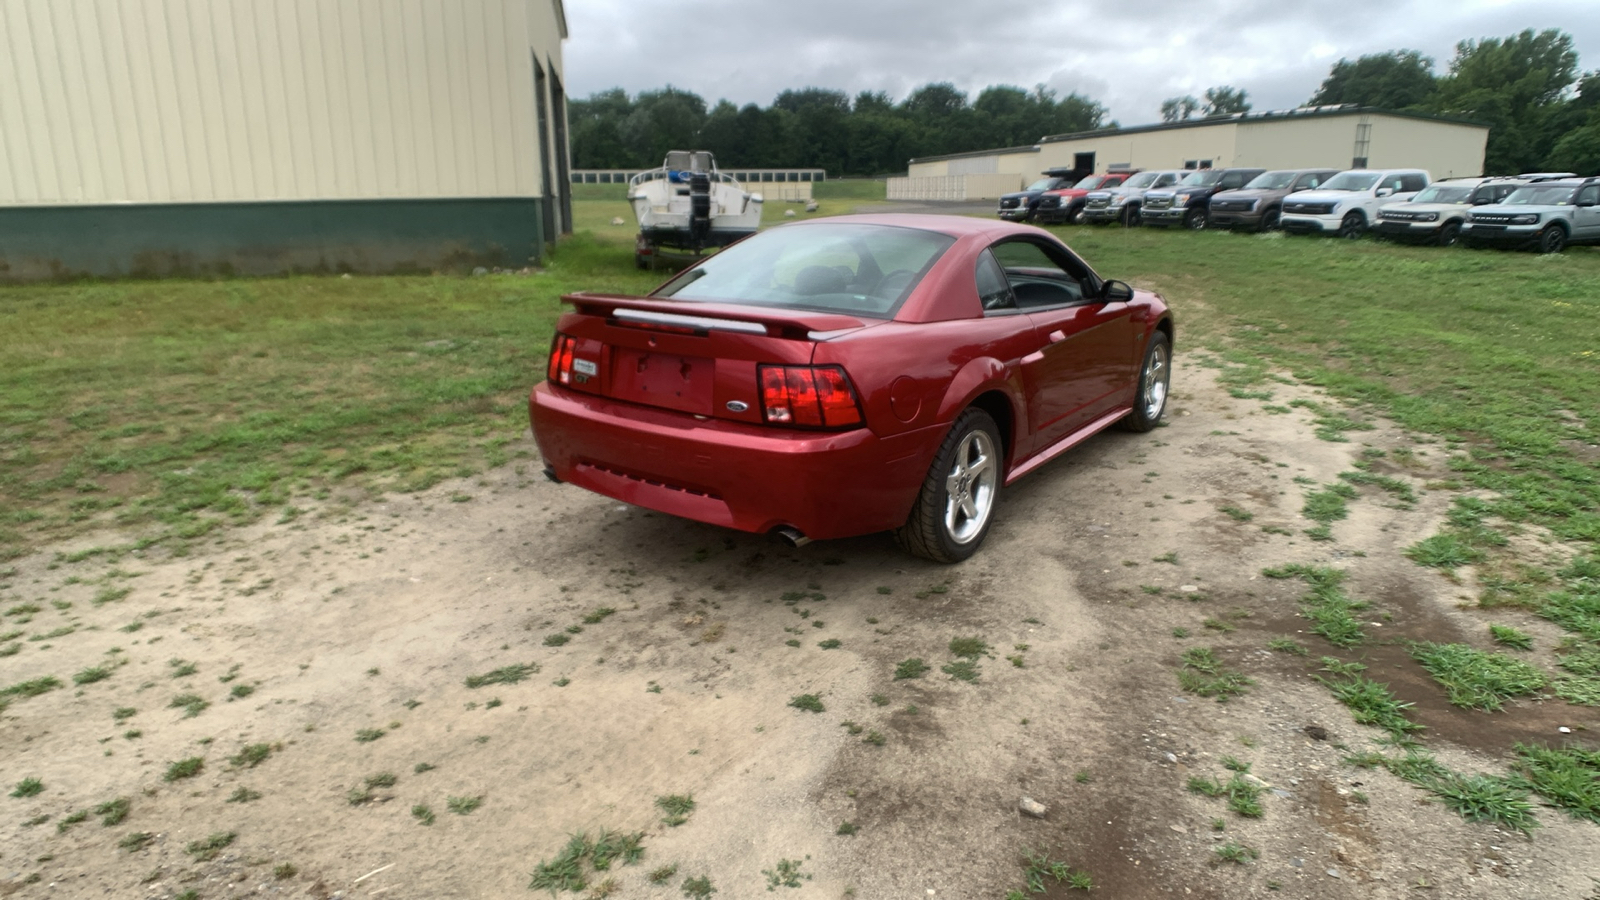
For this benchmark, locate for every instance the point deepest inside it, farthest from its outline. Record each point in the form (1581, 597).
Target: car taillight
(813, 396)
(561, 359)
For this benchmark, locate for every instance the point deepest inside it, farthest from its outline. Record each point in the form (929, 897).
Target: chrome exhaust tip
(791, 536)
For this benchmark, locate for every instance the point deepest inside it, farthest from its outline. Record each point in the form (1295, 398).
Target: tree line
(1542, 113)
(819, 128)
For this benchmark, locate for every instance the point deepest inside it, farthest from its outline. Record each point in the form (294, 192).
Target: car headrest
(814, 280)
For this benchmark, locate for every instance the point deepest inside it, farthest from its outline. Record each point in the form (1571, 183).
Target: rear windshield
(1092, 182)
(1047, 184)
(1203, 178)
(1541, 195)
(859, 269)
(1351, 181)
(1272, 181)
(1142, 180)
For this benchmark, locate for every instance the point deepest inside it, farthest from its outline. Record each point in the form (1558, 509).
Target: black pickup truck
(1021, 206)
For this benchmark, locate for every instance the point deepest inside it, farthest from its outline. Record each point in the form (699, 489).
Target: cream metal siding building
(1319, 137)
(160, 136)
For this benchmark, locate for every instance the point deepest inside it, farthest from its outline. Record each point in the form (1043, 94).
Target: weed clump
(1204, 674)
(807, 702)
(567, 870)
(209, 848)
(1326, 603)
(184, 768)
(1475, 679)
(1507, 636)
(910, 668)
(504, 675)
(677, 807)
(251, 755)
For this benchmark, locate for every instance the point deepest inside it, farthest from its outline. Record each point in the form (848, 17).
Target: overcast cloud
(1128, 55)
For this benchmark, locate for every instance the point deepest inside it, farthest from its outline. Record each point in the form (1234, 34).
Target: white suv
(1347, 204)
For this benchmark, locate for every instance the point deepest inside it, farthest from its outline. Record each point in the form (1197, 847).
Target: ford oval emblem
(737, 406)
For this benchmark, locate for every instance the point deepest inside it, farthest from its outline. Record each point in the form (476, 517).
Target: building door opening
(551, 192)
(1083, 162)
(558, 109)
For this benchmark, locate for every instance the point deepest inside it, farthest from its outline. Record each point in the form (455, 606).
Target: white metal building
(162, 136)
(1343, 137)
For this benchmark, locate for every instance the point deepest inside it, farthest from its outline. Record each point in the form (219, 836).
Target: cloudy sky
(1127, 54)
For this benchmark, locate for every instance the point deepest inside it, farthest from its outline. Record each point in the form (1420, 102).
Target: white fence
(953, 187)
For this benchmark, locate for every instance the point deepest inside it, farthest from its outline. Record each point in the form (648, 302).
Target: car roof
(1384, 171)
(955, 226)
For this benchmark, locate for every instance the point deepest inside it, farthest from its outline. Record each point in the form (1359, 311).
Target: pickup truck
(1122, 203)
(1258, 204)
(1065, 205)
(1018, 206)
(1347, 204)
(1188, 203)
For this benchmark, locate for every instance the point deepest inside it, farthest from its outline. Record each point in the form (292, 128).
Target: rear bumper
(748, 477)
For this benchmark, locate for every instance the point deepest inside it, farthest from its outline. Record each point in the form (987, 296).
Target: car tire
(946, 528)
(1553, 239)
(640, 261)
(1450, 234)
(1130, 216)
(1075, 217)
(1352, 225)
(1269, 220)
(1195, 220)
(1155, 378)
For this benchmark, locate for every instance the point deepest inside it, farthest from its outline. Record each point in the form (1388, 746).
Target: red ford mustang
(852, 375)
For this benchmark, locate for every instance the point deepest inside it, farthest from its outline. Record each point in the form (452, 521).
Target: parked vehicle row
(1544, 210)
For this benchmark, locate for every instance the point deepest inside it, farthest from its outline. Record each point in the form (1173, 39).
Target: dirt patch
(661, 657)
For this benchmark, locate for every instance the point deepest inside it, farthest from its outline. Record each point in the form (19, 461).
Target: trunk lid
(697, 358)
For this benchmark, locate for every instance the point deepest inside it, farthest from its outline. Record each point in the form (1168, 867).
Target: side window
(1166, 180)
(1307, 182)
(1412, 183)
(1037, 280)
(993, 290)
(1231, 181)
(1589, 196)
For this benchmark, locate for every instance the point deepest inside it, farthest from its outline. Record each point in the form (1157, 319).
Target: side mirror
(1586, 203)
(1116, 292)
(1385, 192)
(1480, 201)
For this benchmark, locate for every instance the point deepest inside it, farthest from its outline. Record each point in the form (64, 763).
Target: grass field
(174, 406)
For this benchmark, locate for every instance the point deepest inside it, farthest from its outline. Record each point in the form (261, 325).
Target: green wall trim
(269, 238)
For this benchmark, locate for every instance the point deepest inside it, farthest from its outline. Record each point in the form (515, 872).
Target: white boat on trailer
(687, 205)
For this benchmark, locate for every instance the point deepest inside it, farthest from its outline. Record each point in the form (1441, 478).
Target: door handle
(1057, 337)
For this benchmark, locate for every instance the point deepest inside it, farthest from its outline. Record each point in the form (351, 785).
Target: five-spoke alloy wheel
(956, 505)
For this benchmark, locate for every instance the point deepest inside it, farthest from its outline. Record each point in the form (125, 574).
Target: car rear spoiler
(796, 324)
